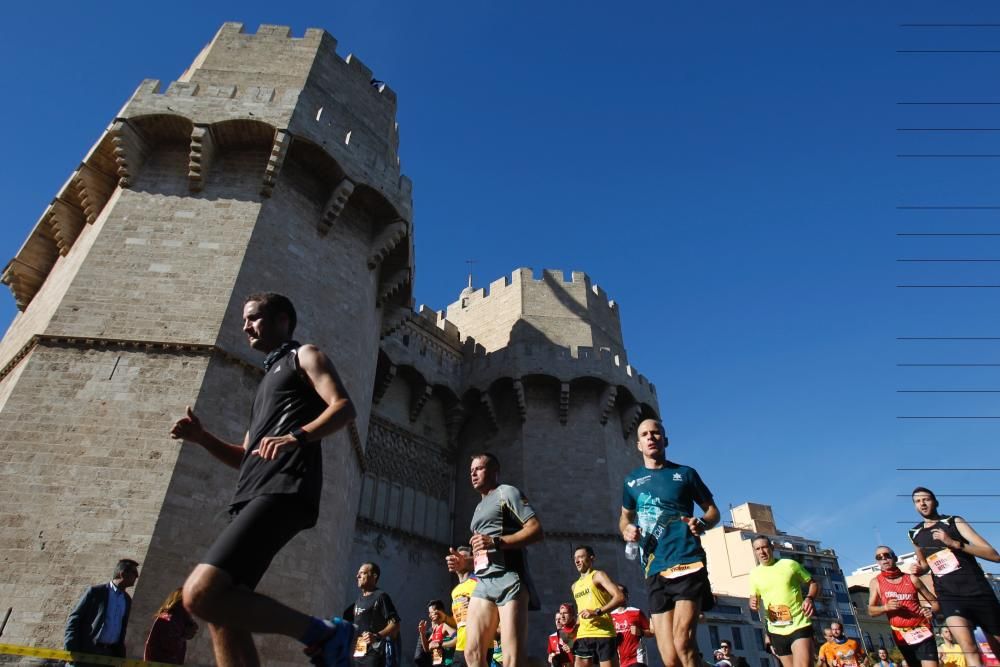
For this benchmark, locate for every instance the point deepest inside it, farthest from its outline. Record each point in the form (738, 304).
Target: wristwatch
(300, 436)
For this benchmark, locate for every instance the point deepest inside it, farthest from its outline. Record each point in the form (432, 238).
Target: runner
(947, 547)
(897, 595)
(440, 634)
(460, 597)
(949, 652)
(631, 625)
(299, 401)
(828, 639)
(502, 526)
(883, 659)
(776, 592)
(596, 596)
(375, 617)
(561, 641)
(844, 651)
(658, 512)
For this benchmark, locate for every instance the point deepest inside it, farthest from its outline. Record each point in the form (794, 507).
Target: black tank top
(285, 401)
(968, 579)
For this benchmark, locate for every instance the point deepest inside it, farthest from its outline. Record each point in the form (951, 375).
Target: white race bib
(943, 562)
(914, 636)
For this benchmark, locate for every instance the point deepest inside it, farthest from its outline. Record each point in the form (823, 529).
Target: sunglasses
(883, 556)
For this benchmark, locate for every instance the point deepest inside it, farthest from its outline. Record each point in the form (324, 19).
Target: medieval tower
(271, 164)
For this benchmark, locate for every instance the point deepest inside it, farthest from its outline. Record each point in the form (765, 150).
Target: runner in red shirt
(631, 625)
(897, 595)
(561, 640)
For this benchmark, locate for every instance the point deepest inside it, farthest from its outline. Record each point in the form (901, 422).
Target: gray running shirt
(503, 511)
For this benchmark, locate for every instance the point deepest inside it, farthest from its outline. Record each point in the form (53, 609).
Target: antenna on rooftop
(470, 262)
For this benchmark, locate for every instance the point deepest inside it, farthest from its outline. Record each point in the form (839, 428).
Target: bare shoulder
(311, 356)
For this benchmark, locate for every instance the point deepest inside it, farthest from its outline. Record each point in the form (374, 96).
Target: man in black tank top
(299, 401)
(947, 547)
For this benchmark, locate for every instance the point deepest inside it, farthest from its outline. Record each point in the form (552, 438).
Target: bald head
(651, 440)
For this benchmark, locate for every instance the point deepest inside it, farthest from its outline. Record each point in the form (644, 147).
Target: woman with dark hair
(172, 628)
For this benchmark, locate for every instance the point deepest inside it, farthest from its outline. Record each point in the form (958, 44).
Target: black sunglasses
(883, 556)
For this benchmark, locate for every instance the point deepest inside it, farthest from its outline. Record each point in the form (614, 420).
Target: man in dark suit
(99, 621)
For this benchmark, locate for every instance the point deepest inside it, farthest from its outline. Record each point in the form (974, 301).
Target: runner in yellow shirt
(776, 592)
(460, 596)
(596, 597)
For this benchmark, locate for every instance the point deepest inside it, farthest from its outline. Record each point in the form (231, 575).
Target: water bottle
(631, 550)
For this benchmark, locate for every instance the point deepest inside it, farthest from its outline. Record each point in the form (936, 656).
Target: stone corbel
(386, 241)
(522, 404)
(419, 396)
(608, 397)
(279, 149)
(24, 281)
(130, 150)
(633, 415)
(65, 221)
(203, 149)
(564, 403)
(94, 189)
(390, 287)
(382, 384)
(335, 205)
(491, 412)
(454, 421)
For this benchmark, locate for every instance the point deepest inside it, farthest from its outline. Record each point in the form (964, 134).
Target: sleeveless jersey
(903, 591)
(956, 573)
(589, 595)
(285, 400)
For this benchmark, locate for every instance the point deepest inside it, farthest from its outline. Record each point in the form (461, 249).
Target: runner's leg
(514, 629)
(233, 648)
(803, 652)
(209, 594)
(663, 630)
(480, 629)
(685, 623)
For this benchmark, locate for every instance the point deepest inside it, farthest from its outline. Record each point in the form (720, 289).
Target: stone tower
(271, 164)
(534, 370)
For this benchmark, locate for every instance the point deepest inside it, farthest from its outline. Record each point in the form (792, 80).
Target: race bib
(681, 570)
(360, 647)
(779, 615)
(943, 562)
(480, 561)
(914, 636)
(437, 657)
(460, 610)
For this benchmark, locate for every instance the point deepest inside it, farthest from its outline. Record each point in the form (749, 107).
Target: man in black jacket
(99, 621)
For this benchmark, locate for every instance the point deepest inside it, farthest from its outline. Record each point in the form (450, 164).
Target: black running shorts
(782, 644)
(257, 531)
(915, 654)
(982, 610)
(664, 593)
(596, 649)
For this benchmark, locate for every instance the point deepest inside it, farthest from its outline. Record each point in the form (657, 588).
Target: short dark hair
(464, 549)
(589, 550)
(924, 489)
(376, 570)
(272, 304)
(758, 538)
(491, 459)
(725, 642)
(436, 604)
(124, 565)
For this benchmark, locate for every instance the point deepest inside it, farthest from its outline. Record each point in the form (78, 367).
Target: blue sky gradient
(728, 172)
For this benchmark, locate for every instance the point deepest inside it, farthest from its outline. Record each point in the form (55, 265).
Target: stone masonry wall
(84, 467)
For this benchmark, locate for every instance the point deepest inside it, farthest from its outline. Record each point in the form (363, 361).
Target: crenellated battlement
(527, 276)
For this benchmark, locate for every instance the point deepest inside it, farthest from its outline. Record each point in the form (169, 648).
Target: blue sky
(728, 172)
